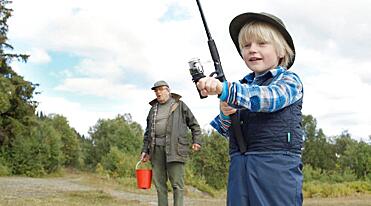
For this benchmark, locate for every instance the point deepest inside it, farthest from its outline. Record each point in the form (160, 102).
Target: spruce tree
(17, 107)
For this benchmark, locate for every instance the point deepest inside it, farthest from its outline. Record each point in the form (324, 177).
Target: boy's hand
(209, 86)
(226, 109)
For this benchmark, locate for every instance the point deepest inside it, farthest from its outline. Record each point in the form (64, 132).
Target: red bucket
(144, 177)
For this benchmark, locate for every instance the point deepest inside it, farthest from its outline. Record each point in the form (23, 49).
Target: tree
(70, 141)
(16, 94)
(342, 142)
(318, 152)
(357, 157)
(38, 151)
(126, 136)
(211, 163)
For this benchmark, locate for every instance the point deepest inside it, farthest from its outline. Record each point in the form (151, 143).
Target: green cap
(159, 84)
(239, 21)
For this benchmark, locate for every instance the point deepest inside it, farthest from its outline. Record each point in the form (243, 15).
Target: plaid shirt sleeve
(221, 124)
(285, 89)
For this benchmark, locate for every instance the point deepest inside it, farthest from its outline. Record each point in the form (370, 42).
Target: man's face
(162, 94)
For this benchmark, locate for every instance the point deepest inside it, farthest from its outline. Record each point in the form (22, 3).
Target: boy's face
(260, 56)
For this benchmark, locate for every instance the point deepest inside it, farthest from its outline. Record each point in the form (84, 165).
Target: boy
(268, 102)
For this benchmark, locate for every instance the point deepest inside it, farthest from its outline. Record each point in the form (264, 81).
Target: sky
(97, 59)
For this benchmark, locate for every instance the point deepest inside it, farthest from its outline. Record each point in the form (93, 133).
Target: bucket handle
(136, 166)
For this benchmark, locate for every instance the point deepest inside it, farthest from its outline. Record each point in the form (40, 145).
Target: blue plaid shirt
(250, 93)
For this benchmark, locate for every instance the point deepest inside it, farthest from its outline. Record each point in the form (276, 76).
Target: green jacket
(180, 119)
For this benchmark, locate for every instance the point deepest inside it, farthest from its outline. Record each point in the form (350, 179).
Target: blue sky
(97, 60)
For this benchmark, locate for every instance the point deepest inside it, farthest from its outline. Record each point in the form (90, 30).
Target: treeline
(34, 144)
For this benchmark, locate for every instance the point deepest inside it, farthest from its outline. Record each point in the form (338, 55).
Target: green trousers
(162, 171)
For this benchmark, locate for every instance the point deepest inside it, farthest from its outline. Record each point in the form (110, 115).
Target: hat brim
(154, 87)
(239, 21)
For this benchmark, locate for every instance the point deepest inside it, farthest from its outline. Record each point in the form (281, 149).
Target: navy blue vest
(272, 131)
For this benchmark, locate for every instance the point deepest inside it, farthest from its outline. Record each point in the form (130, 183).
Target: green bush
(360, 186)
(125, 135)
(312, 174)
(99, 169)
(70, 143)
(119, 164)
(37, 152)
(324, 189)
(197, 181)
(212, 162)
(4, 169)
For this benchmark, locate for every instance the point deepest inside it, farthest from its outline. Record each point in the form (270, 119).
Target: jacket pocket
(183, 146)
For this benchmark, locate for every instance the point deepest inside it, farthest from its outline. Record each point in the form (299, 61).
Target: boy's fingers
(201, 84)
(204, 92)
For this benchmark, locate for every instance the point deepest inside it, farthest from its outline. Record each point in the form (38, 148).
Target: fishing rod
(197, 73)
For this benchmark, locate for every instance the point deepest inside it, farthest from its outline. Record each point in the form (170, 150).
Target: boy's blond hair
(265, 32)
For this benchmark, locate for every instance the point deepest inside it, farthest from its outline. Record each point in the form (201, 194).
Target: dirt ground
(14, 189)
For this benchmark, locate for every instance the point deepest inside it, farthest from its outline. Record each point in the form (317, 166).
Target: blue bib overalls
(270, 172)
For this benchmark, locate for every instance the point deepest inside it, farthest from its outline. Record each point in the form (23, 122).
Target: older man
(165, 141)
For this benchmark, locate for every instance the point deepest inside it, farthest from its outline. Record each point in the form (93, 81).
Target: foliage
(17, 107)
(5, 14)
(35, 145)
(211, 163)
(70, 140)
(16, 104)
(119, 164)
(99, 169)
(324, 189)
(330, 176)
(88, 154)
(38, 152)
(341, 155)
(118, 132)
(358, 158)
(317, 150)
(4, 168)
(198, 182)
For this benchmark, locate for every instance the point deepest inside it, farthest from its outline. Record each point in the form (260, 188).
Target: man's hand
(196, 147)
(226, 109)
(144, 157)
(209, 86)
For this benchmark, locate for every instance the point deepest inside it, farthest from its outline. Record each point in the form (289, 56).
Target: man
(165, 141)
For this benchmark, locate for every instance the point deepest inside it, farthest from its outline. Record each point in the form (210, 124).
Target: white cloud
(99, 87)
(124, 48)
(39, 56)
(79, 117)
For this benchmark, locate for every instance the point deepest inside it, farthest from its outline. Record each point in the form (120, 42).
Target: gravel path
(16, 187)
(13, 187)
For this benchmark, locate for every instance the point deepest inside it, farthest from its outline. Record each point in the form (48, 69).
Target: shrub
(37, 152)
(333, 176)
(4, 169)
(119, 164)
(324, 189)
(211, 163)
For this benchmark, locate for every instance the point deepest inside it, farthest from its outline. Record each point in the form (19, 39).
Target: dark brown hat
(159, 84)
(239, 21)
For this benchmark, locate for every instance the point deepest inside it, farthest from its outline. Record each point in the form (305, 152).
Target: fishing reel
(197, 72)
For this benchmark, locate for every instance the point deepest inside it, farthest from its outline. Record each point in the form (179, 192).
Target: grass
(102, 190)
(77, 198)
(360, 200)
(318, 189)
